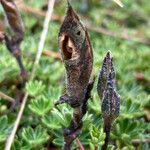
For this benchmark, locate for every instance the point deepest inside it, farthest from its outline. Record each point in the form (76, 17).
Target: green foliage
(51, 122)
(42, 124)
(97, 136)
(40, 106)
(35, 137)
(126, 130)
(131, 110)
(4, 128)
(35, 88)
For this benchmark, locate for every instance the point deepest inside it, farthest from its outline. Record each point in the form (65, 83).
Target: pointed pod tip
(108, 54)
(70, 12)
(68, 3)
(107, 57)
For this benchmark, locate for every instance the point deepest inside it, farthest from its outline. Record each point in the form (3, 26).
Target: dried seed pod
(107, 67)
(14, 19)
(77, 55)
(13, 43)
(111, 102)
(110, 107)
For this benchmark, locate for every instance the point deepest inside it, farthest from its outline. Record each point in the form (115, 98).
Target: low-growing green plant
(42, 124)
(4, 128)
(97, 137)
(126, 130)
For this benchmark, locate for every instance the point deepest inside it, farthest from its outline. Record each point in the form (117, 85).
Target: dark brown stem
(95, 148)
(13, 41)
(67, 146)
(72, 132)
(107, 127)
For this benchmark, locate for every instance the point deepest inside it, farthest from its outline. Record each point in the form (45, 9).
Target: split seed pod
(77, 55)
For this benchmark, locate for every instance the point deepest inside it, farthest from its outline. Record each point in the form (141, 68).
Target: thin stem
(72, 132)
(119, 3)
(11, 137)
(67, 146)
(79, 144)
(96, 148)
(107, 127)
(6, 97)
(121, 35)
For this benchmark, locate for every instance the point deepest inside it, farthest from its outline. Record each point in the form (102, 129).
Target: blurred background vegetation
(124, 31)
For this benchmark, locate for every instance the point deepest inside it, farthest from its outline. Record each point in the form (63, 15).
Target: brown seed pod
(77, 55)
(107, 67)
(110, 106)
(14, 19)
(13, 42)
(110, 102)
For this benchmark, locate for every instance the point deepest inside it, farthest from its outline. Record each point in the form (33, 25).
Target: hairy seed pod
(110, 106)
(111, 102)
(77, 56)
(107, 67)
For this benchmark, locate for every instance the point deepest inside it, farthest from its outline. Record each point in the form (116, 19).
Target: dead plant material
(52, 54)
(106, 89)
(6, 97)
(121, 35)
(100, 30)
(37, 12)
(11, 137)
(142, 80)
(14, 41)
(77, 56)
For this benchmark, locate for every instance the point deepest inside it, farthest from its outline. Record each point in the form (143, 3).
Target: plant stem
(6, 97)
(96, 148)
(107, 127)
(100, 30)
(11, 137)
(79, 144)
(67, 147)
(72, 132)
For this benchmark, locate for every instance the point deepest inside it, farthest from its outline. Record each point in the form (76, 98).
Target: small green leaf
(51, 122)
(127, 129)
(97, 135)
(35, 88)
(40, 106)
(63, 117)
(16, 144)
(35, 137)
(58, 141)
(131, 109)
(4, 128)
